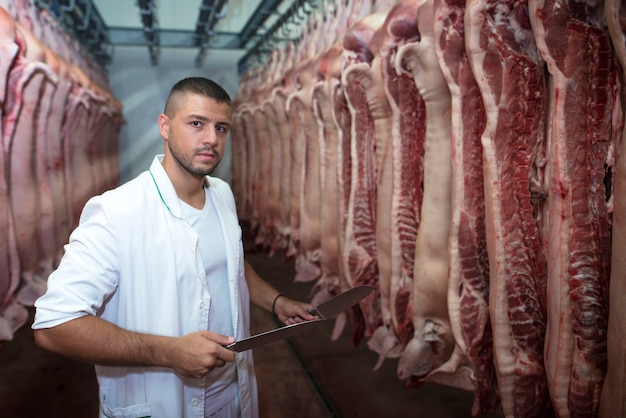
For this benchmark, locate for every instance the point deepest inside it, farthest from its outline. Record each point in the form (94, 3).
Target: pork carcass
(263, 201)
(305, 175)
(613, 400)
(77, 168)
(575, 45)
(359, 250)
(19, 134)
(47, 239)
(281, 158)
(12, 314)
(370, 80)
(55, 159)
(432, 342)
(468, 288)
(245, 111)
(248, 163)
(329, 283)
(399, 182)
(510, 73)
(272, 152)
(325, 91)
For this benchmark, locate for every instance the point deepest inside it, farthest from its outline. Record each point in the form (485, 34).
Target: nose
(210, 138)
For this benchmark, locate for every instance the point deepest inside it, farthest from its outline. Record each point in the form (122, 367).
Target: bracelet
(274, 303)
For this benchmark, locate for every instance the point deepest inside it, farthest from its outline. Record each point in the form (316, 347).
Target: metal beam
(269, 37)
(81, 19)
(260, 15)
(150, 29)
(210, 13)
(171, 38)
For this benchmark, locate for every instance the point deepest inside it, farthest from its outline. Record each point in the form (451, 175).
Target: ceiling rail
(256, 21)
(81, 20)
(294, 16)
(147, 10)
(210, 12)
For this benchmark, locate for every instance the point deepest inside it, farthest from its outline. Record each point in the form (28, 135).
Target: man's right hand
(97, 341)
(197, 353)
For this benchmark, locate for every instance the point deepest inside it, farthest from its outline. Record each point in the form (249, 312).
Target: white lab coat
(135, 262)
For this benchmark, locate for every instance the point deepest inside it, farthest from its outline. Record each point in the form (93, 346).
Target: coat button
(194, 402)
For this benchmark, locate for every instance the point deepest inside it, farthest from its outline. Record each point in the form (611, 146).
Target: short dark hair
(197, 85)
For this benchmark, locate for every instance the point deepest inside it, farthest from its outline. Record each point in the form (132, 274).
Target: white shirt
(206, 223)
(135, 261)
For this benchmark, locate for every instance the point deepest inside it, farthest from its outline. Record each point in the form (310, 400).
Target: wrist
(160, 351)
(274, 303)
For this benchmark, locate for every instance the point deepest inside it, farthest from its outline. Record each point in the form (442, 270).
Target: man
(153, 283)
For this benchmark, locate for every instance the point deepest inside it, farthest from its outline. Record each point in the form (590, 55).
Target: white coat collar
(165, 188)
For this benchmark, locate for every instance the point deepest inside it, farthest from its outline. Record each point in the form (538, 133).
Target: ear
(164, 126)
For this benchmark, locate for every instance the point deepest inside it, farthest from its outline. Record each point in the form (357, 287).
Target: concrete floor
(306, 376)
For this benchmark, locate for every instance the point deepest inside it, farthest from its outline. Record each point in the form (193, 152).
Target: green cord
(159, 191)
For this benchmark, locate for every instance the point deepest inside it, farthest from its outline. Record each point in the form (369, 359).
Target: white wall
(143, 89)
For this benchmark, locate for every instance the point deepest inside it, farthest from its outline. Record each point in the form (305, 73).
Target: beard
(186, 161)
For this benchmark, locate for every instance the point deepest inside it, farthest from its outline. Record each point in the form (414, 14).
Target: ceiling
(245, 25)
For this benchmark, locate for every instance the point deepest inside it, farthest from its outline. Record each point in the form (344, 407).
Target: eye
(196, 123)
(222, 129)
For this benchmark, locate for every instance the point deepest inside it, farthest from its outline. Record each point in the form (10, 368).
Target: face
(195, 135)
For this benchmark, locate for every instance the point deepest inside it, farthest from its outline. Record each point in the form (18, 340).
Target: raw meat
(613, 400)
(399, 179)
(359, 251)
(468, 288)
(573, 41)
(432, 342)
(510, 74)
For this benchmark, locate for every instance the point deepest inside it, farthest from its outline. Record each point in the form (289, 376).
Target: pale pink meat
(304, 224)
(43, 135)
(20, 141)
(47, 238)
(272, 144)
(331, 282)
(245, 111)
(12, 314)
(309, 250)
(359, 251)
(76, 153)
(293, 105)
(55, 160)
(280, 167)
(262, 182)
(432, 342)
(246, 167)
(342, 119)
(468, 288)
(399, 179)
(367, 95)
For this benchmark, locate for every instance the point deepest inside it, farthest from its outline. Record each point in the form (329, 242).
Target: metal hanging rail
(81, 19)
(210, 13)
(298, 11)
(150, 29)
(260, 15)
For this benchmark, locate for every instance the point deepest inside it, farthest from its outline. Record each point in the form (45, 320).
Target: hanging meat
(468, 287)
(470, 152)
(502, 50)
(60, 123)
(613, 400)
(575, 44)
